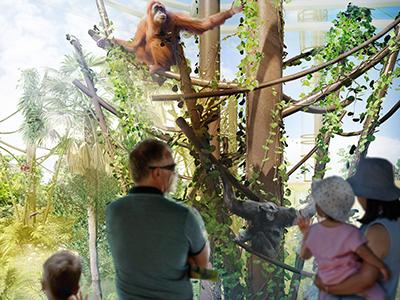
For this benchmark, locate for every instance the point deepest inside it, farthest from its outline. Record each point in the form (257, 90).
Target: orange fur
(155, 44)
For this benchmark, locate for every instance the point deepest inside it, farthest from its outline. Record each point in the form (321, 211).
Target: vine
(249, 45)
(130, 96)
(351, 28)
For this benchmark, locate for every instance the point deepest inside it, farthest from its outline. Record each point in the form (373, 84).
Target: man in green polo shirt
(151, 237)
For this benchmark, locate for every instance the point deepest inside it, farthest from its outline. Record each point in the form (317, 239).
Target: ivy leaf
(371, 84)
(370, 138)
(352, 149)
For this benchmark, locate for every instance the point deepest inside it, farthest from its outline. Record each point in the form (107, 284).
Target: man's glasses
(170, 167)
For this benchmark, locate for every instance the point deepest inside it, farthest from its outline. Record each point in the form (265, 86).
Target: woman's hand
(320, 285)
(385, 272)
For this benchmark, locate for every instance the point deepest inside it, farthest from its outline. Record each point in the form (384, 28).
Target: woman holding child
(373, 184)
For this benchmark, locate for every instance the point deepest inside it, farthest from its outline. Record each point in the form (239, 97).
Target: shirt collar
(145, 190)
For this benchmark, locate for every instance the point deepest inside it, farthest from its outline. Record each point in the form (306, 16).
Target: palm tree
(55, 110)
(34, 130)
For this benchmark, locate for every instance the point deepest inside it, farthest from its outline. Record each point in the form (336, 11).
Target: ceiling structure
(292, 6)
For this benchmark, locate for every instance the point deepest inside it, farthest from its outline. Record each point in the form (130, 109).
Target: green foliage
(23, 249)
(249, 44)
(71, 198)
(351, 28)
(226, 258)
(31, 105)
(397, 170)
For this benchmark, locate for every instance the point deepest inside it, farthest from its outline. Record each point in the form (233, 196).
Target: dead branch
(89, 83)
(314, 109)
(187, 88)
(200, 82)
(381, 121)
(102, 102)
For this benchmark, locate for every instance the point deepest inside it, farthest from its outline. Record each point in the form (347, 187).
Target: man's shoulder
(115, 204)
(178, 206)
(121, 202)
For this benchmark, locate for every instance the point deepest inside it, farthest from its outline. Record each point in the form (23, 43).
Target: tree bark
(94, 268)
(260, 107)
(210, 63)
(371, 121)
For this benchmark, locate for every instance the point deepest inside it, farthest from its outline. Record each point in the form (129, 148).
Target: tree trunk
(210, 61)
(260, 116)
(94, 268)
(91, 180)
(210, 69)
(103, 16)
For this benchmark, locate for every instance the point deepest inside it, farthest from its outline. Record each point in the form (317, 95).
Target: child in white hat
(336, 245)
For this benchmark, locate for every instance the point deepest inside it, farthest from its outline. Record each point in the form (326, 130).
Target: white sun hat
(334, 196)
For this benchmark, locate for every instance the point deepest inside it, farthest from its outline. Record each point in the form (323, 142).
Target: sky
(33, 36)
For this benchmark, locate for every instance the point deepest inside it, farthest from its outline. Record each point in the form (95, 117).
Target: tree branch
(12, 147)
(103, 16)
(282, 79)
(303, 160)
(298, 57)
(102, 102)
(10, 153)
(276, 262)
(188, 131)
(372, 120)
(10, 132)
(355, 73)
(390, 113)
(313, 109)
(9, 116)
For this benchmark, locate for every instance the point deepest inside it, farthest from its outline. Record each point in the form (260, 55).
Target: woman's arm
(379, 243)
(368, 256)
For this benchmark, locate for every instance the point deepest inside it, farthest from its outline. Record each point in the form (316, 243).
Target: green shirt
(150, 238)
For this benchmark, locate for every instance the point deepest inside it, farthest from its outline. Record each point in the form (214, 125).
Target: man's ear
(43, 284)
(76, 289)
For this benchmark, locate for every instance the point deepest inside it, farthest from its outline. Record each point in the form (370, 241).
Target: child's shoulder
(341, 227)
(350, 226)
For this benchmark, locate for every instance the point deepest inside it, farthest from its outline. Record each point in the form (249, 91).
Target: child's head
(334, 197)
(61, 274)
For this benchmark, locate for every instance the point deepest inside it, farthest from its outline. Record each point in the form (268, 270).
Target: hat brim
(387, 194)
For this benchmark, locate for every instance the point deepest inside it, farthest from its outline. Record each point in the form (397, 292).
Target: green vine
(351, 28)
(249, 45)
